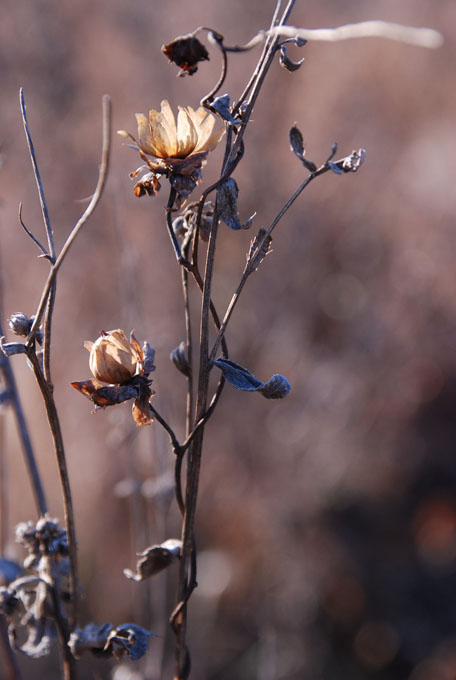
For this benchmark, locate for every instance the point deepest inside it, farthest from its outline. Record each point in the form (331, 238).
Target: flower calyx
(124, 366)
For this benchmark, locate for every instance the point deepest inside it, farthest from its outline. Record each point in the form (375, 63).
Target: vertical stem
(54, 425)
(10, 662)
(29, 455)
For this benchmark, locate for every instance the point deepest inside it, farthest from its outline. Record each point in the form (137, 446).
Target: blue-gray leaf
(238, 376)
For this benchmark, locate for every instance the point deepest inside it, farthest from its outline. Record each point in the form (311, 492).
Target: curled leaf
(128, 639)
(155, 559)
(227, 195)
(276, 388)
(288, 63)
(9, 349)
(297, 146)
(221, 105)
(179, 358)
(238, 376)
(255, 257)
(90, 638)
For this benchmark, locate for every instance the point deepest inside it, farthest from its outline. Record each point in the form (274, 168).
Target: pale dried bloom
(113, 359)
(181, 145)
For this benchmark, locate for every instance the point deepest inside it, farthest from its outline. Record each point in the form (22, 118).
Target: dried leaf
(149, 356)
(238, 376)
(129, 639)
(155, 559)
(227, 195)
(255, 257)
(288, 63)
(276, 388)
(221, 105)
(179, 358)
(9, 349)
(296, 141)
(90, 638)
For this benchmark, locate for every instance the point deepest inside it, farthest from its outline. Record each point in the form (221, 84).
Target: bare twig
(105, 153)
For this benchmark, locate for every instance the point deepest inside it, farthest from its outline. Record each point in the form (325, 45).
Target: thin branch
(320, 171)
(105, 154)
(44, 208)
(56, 432)
(421, 37)
(29, 233)
(24, 436)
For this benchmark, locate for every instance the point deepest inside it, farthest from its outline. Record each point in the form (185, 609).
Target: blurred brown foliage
(327, 522)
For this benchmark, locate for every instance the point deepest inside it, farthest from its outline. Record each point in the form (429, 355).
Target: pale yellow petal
(144, 135)
(187, 135)
(169, 124)
(159, 133)
(199, 115)
(204, 132)
(214, 139)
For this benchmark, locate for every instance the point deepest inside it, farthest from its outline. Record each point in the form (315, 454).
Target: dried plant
(40, 600)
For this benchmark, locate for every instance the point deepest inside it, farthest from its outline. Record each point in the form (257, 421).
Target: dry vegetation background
(327, 522)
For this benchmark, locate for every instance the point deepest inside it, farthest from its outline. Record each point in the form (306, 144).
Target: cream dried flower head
(179, 147)
(182, 145)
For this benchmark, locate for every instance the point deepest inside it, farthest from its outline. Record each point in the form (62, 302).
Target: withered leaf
(288, 63)
(238, 376)
(179, 358)
(128, 639)
(221, 105)
(155, 559)
(227, 195)
(255, 257)
(297, 146)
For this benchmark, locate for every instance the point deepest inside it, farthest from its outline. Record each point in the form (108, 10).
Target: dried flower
(186, 51)
(125, 367)
(179, 147)
(113, 359)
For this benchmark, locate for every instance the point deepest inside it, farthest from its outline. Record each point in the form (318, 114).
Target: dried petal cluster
(180, 147)
(186, 51)
(125, 366)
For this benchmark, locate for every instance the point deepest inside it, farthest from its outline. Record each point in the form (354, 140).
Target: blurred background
(327, 521)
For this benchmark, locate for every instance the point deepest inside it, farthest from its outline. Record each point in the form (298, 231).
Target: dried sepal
(186, 51)
(238, 376)
(179, 358)
(288, 63)
(128, 639)
(126, 365)
(255, 257)
(227, 195)
(33, 595)
(148, 185)
(155, 559)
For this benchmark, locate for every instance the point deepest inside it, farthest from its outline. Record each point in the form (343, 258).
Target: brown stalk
(187, 573)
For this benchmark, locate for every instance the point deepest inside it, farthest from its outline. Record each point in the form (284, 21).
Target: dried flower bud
(186, 51)
(20, 324)
(113, 358)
